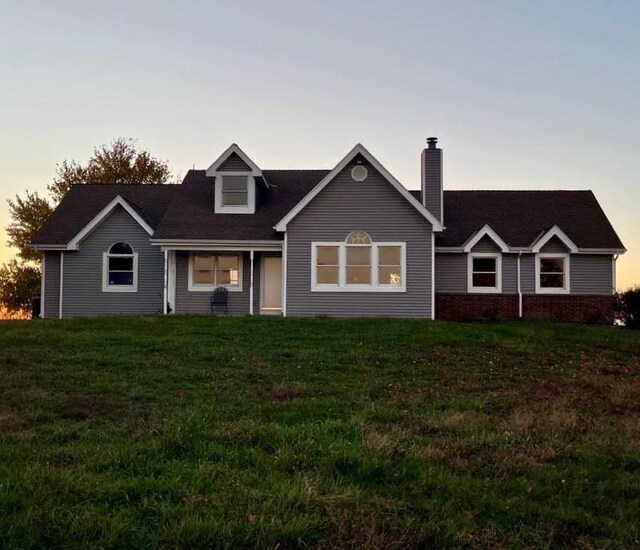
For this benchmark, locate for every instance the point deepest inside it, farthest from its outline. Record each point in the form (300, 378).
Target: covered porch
(252, 274)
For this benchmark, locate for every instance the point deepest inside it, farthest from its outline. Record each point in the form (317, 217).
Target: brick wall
(592, 309)
(503, 307)
(476, 307)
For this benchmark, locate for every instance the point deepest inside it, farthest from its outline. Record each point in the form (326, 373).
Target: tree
(19, 284)
(118, 162)
(628, 307)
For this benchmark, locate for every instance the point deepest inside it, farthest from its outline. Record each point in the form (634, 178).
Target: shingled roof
(83, 202)
(186, 212)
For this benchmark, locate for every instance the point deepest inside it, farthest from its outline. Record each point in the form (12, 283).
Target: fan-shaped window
(358, 237)
(120, 269)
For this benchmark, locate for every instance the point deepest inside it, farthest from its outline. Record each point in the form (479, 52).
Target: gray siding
(197, 302)
(591, 274)
(373, 206)
(451, 273)
(554, 245)
(82, 275)
(486, 244)
(451, 270)
(234, 164)
(51, 284)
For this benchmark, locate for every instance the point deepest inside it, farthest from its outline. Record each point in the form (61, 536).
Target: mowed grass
(268, 432)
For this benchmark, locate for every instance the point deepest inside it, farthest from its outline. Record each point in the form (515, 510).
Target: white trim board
(486, 231)
(555, 231)
(359, 149)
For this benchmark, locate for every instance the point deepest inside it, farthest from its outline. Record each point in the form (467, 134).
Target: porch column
(251, 284)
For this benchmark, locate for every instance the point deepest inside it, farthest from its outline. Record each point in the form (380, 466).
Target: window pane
(203, 277)
(234, 198)
(389, 255)
(389, 276)
(121, 264)
(327, 275)
(227, 262)
(121, 278)
(203, 262)
(121, 248)
(234, 183)
(484, 280)
(358, 255)
(327, 255)
(359, 275)
(553, 265)
(552, 280)
(227, 277)
(484, 264)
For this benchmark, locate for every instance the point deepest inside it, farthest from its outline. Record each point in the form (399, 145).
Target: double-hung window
(120, 269)
(485, 273)
(209, 271)
(358, 264)
(552, 273)
(235, 193)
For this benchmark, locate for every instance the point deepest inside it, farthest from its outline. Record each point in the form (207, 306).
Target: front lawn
(206, 432)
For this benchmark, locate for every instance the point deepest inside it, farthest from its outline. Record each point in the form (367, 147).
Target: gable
(485, 244)
(344, 205)
(234, 163)
(554, 245)
(360, 153)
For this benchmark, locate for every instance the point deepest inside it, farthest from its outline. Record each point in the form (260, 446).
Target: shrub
(628, 307)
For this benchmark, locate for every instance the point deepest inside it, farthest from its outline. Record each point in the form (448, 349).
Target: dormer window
(235, 193)
(235, 190)
(235, 182)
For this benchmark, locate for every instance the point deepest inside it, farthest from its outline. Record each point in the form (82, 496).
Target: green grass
(205, 432)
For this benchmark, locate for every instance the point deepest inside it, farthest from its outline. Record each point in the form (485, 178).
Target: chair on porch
(219, 300)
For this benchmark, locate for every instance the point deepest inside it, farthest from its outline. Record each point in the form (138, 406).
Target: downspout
(61, 283)
(519, 288)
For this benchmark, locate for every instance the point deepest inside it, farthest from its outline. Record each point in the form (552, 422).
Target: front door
(271, 287)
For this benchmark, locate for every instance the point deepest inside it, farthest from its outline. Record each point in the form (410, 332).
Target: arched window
(358, 237)
(120, 269)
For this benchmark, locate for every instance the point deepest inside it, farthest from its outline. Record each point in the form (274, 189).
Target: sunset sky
(522, 95)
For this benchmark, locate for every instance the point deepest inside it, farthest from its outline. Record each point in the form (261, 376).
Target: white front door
(271, 285)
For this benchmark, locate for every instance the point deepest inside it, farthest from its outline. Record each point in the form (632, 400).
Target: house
(350, 241)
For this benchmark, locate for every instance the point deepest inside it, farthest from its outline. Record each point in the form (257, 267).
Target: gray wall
(234, 163)
(190, 302)
(51, 284)
(452, 269)
(82, 272)
(373, 206)
(590, 273)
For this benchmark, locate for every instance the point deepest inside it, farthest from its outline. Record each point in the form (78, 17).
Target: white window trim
(566, 289)
(106, 287)
(484, 289)
(193, 287)
(342, 268)
(250, 208)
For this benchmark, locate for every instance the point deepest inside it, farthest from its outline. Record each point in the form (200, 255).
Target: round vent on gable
(359, 172)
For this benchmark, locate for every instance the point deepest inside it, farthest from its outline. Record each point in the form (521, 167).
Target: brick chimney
(432, 178)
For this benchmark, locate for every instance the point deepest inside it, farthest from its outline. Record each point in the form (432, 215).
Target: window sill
(551, 291)
(198, 288)
(484, 290)
(118, 290)
(378, 289)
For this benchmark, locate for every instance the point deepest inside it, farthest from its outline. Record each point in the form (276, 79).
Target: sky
(522, 95)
